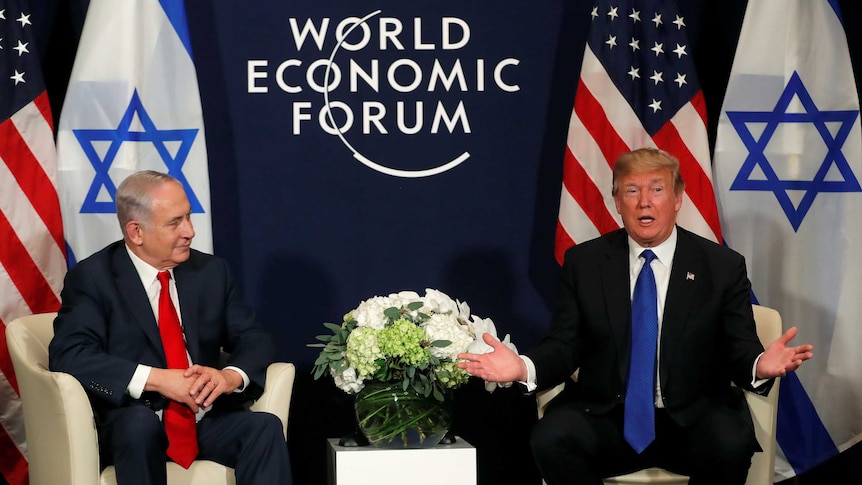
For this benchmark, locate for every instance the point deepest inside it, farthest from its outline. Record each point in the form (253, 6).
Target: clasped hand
(198, 386)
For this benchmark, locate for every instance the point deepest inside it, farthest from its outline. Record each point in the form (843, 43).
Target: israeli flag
(788, 165)
(132, 104)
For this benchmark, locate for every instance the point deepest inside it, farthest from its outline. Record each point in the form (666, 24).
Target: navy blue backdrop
(310, 230)
(317, 231)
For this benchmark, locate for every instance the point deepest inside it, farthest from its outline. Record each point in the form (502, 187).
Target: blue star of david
(757, 157)
(123, 133)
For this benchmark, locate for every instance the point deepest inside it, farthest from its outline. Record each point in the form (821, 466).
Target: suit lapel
(187, 290)
(135, 296)
(615, 286)
(685, 277)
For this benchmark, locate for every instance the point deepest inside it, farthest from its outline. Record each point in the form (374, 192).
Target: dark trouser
(134, 441)
(571, 447)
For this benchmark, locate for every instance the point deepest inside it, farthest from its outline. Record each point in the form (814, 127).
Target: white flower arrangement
(406, 338)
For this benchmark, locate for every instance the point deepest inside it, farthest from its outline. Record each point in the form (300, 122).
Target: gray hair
(133, 196)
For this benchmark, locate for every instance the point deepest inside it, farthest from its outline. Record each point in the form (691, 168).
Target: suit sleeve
(556, 357)
(739, 330)
(250, 346)
(80, 337)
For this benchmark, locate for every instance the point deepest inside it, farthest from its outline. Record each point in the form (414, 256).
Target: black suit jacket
(708, 336)
(106, 326)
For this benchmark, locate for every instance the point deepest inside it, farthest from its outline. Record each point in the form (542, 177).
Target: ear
(617, 203)
(134, 230)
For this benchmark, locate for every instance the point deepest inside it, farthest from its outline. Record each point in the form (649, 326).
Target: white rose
(438, 302)
(403, 298)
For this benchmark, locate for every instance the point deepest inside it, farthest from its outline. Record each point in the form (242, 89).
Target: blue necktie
(639, 425)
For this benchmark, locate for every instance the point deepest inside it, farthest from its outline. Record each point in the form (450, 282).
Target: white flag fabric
(788, 162)
(132, 104)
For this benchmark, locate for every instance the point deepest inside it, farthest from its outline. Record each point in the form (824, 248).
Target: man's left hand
(211, 383)
(779, 358)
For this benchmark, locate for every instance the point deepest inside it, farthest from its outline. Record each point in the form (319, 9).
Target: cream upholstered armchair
(61, 435)
(764, 411)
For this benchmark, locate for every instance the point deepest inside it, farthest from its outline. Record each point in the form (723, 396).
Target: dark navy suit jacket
(106, 326)
(708, 336)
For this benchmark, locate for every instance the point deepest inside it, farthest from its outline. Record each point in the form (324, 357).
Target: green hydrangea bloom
(450, 375)
(403, 339)
(363, 349)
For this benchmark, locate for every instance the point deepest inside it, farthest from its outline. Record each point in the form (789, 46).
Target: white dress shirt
(150, 280)
(661, 267)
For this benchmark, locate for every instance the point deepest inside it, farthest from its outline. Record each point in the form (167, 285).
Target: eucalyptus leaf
(319, 371)
(392, 313)
(441, 343)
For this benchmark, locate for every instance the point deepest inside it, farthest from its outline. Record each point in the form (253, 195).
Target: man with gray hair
(142, 326)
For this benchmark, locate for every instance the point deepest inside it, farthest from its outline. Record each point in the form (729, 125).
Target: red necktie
(179, 419)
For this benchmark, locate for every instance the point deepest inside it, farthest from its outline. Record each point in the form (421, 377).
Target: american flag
(637, 88)
(32, 251)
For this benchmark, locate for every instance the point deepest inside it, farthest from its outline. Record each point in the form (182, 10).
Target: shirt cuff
(245, 379)
(755, 382)
(139, 381)
(530, 383)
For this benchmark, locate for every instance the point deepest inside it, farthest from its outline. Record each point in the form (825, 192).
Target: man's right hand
(499, 365)
(172, 384)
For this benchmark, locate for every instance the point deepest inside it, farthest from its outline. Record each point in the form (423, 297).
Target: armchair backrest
(61, 435)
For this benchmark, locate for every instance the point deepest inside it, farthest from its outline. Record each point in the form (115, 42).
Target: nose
(188, 229)
(644, 199)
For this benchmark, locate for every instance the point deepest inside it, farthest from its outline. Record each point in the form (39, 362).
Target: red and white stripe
(602, 127)
(32, 253)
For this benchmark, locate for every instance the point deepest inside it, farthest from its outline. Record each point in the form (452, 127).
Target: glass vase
(393, 418)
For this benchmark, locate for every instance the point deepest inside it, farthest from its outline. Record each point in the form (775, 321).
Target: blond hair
(645, 160)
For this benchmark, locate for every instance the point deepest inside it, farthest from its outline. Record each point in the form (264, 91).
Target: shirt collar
(146, 272)
(663, 252)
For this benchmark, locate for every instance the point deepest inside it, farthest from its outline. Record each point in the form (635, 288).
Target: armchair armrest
(277, 391)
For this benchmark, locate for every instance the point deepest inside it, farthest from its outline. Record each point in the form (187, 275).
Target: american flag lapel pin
(689, 276)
